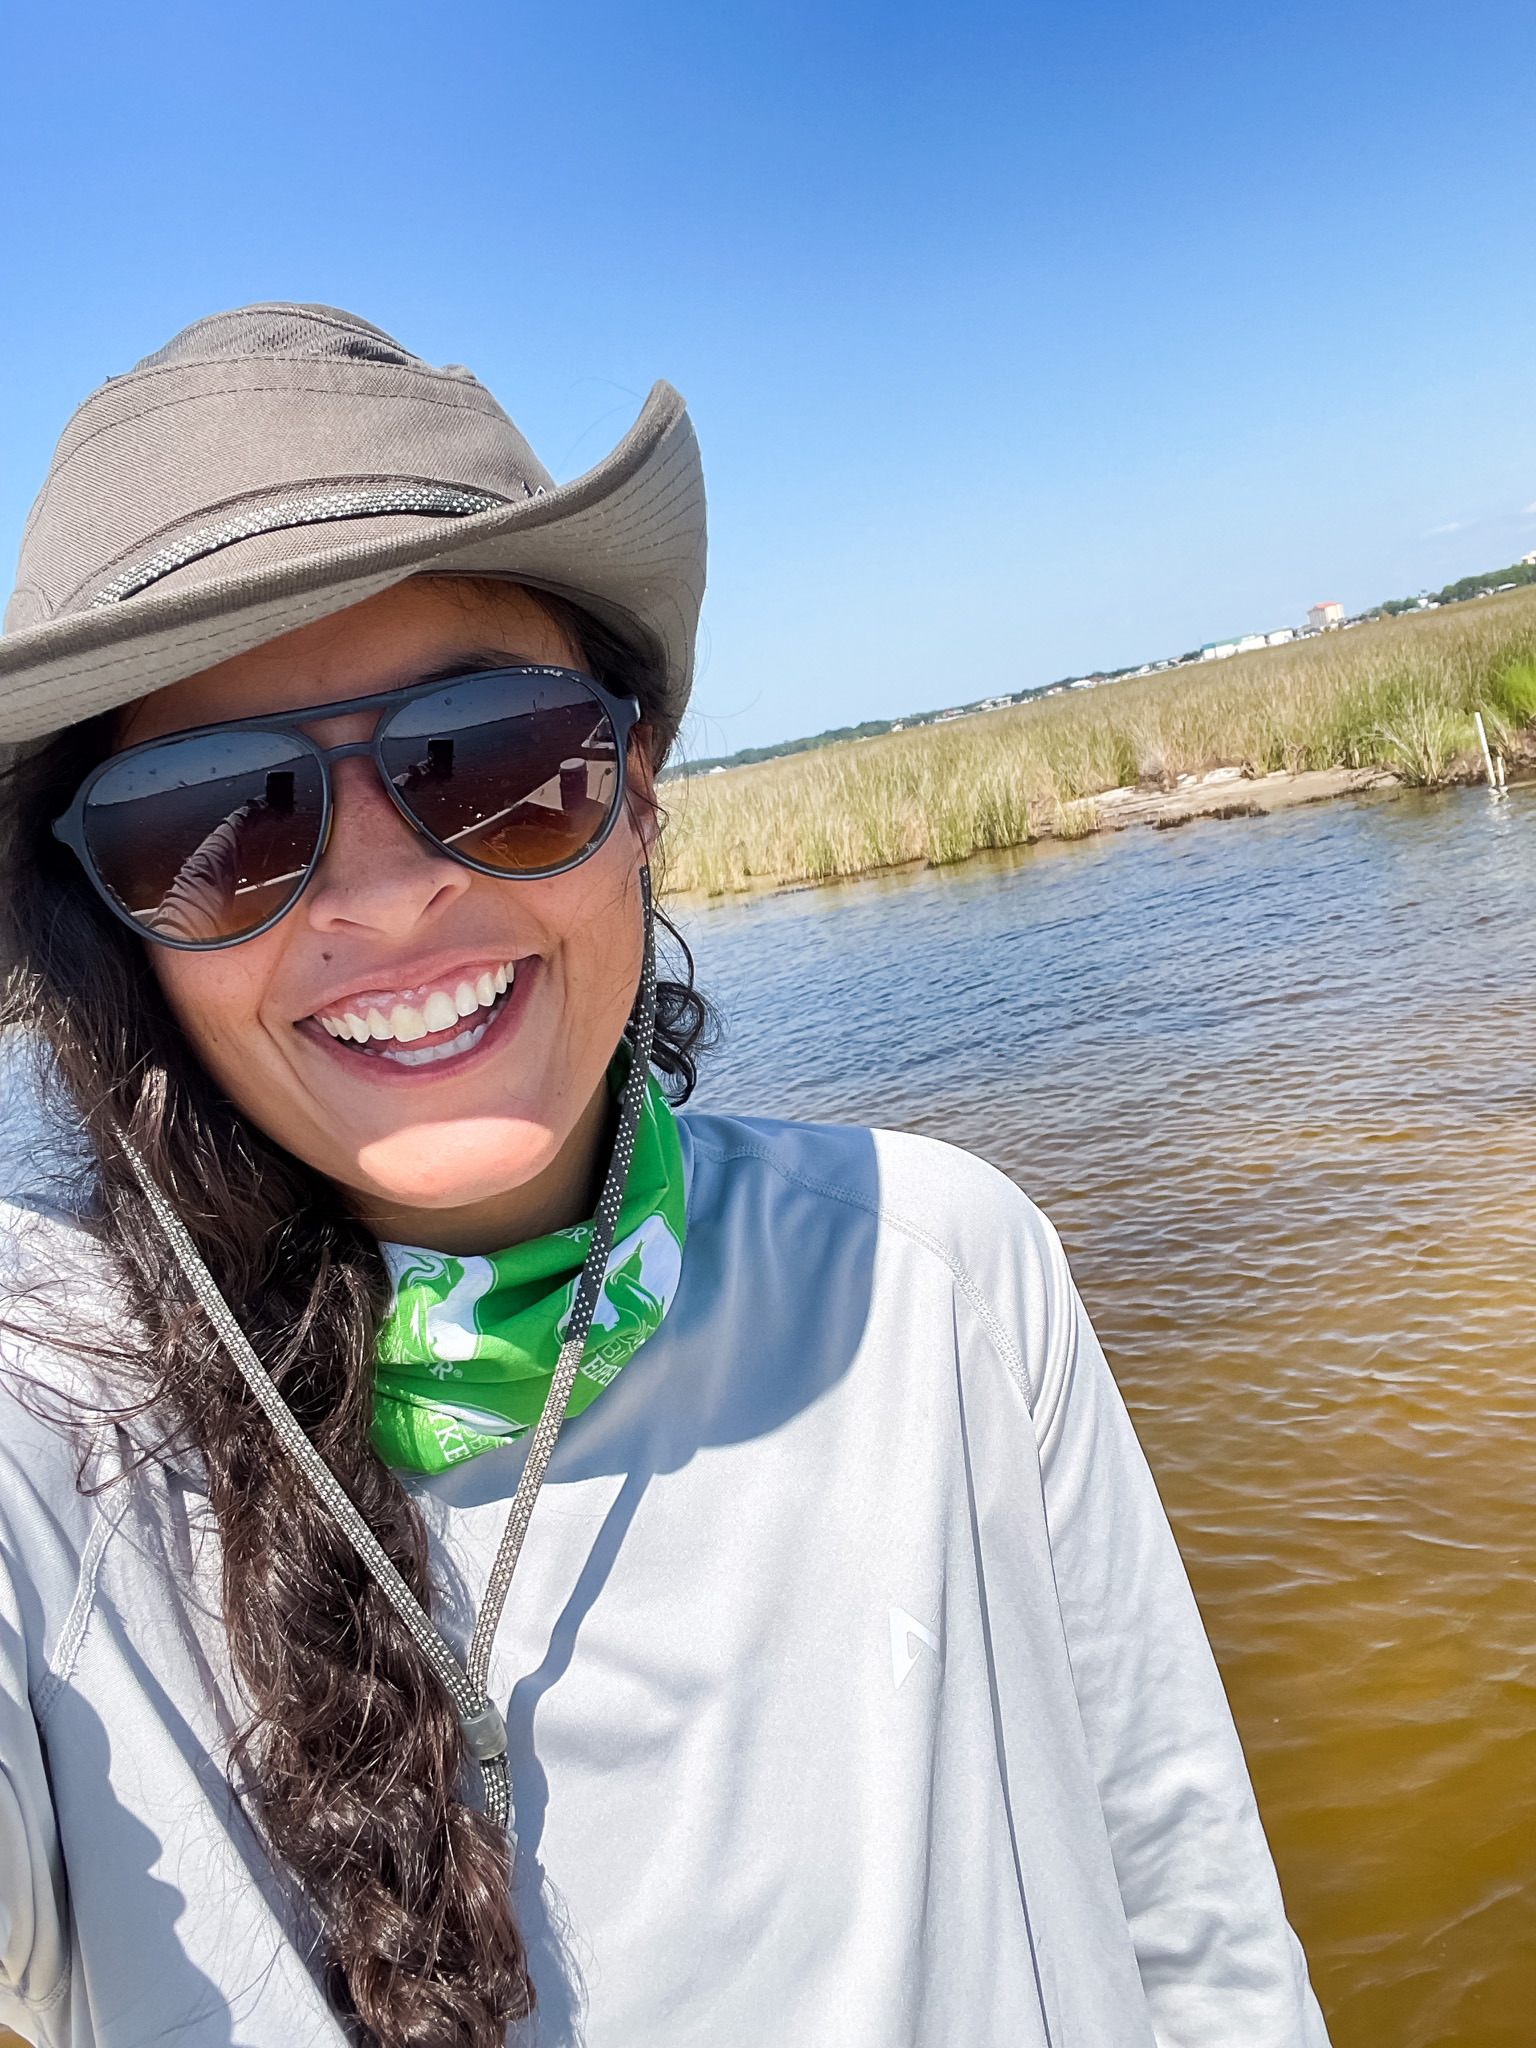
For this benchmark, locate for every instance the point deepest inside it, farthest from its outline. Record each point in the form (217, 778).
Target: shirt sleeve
(34, 1918)
(1218, 1961)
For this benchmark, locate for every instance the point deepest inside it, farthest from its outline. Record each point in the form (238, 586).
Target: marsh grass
(1398, 695)
(1077, 817)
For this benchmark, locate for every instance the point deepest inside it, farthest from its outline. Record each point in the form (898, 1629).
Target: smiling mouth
(448, 1020)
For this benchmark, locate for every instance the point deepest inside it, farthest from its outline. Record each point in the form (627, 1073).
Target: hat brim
(627, 540)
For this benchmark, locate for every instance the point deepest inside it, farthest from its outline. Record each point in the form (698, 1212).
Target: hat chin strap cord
(485, 1732)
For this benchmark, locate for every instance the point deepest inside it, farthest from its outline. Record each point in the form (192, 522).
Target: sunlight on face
(431, 1039)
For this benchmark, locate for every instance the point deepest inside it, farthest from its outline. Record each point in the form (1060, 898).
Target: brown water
(1275, 1081)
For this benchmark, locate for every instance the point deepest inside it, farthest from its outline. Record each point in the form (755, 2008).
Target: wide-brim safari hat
(274, 464)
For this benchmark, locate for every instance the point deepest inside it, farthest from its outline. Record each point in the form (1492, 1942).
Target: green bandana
(468, 1349)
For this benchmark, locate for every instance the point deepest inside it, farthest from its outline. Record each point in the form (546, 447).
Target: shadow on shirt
(141, 1984)
(769, 1314)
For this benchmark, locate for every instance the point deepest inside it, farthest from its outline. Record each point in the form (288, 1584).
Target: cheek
(598, 923)
(215, 997)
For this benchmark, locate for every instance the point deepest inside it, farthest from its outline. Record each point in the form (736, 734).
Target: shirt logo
(909, 1639)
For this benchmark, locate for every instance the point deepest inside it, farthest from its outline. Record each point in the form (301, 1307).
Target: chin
(452, 1165)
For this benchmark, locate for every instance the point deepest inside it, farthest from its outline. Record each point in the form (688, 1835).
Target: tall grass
(1397, 695)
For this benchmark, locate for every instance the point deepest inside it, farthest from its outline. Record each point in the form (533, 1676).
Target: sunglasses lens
(202, 840)
(517, 771)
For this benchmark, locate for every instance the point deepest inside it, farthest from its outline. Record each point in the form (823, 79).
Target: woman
(848, 1689)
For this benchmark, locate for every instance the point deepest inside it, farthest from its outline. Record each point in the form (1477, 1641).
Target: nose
(377, 874)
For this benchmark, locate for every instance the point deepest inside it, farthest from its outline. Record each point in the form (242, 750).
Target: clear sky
(1021, 340)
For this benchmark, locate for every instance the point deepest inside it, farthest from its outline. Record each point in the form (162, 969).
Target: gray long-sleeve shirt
(857, 1698)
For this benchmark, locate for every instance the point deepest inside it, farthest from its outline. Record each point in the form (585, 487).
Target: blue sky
(1020, 340)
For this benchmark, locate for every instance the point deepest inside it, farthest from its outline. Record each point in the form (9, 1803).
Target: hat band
(442, 501)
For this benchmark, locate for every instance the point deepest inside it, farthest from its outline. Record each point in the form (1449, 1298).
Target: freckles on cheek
(215, 998)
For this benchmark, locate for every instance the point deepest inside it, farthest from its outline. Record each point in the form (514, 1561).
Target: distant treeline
(1469, 586)
(872, 728)
(867, 731)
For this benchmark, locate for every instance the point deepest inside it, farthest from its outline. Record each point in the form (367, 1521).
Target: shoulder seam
(1009, 1353)
(61, 1666)
(43, 2006)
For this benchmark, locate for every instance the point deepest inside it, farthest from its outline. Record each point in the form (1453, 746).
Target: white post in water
(1482, 741)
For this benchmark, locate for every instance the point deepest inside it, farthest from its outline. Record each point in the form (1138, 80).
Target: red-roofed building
(1328, 613)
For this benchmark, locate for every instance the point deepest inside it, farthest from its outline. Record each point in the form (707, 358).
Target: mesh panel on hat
(210, 496)
(316, 332)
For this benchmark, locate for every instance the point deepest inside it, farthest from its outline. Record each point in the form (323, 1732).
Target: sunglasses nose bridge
(347, 750)
(357, 750)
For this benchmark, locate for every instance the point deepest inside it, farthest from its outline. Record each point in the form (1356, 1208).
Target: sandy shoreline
(1231, 793)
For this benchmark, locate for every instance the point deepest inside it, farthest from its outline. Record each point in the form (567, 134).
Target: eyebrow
(471, 661)
(477, 661)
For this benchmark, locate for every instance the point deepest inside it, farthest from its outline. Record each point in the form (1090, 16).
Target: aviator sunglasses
(207, 837)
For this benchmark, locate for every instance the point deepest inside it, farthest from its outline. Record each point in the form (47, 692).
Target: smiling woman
(336, 1025)
(346, 1207)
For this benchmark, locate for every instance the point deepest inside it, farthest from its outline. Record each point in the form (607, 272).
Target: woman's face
(467, 1149)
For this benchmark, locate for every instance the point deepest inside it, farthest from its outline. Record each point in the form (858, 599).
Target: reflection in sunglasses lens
(519, 774)
(204, 839)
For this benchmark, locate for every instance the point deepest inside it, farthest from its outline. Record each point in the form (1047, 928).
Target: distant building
(1328, 613)
(1529, 561)
(1218, 650)
(1279, 639)
(1249, 641)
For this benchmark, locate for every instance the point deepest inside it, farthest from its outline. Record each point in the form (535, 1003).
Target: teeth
(430, 1053)
(439, 1011)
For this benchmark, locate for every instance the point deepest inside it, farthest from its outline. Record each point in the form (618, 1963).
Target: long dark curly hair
(350, 1755)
